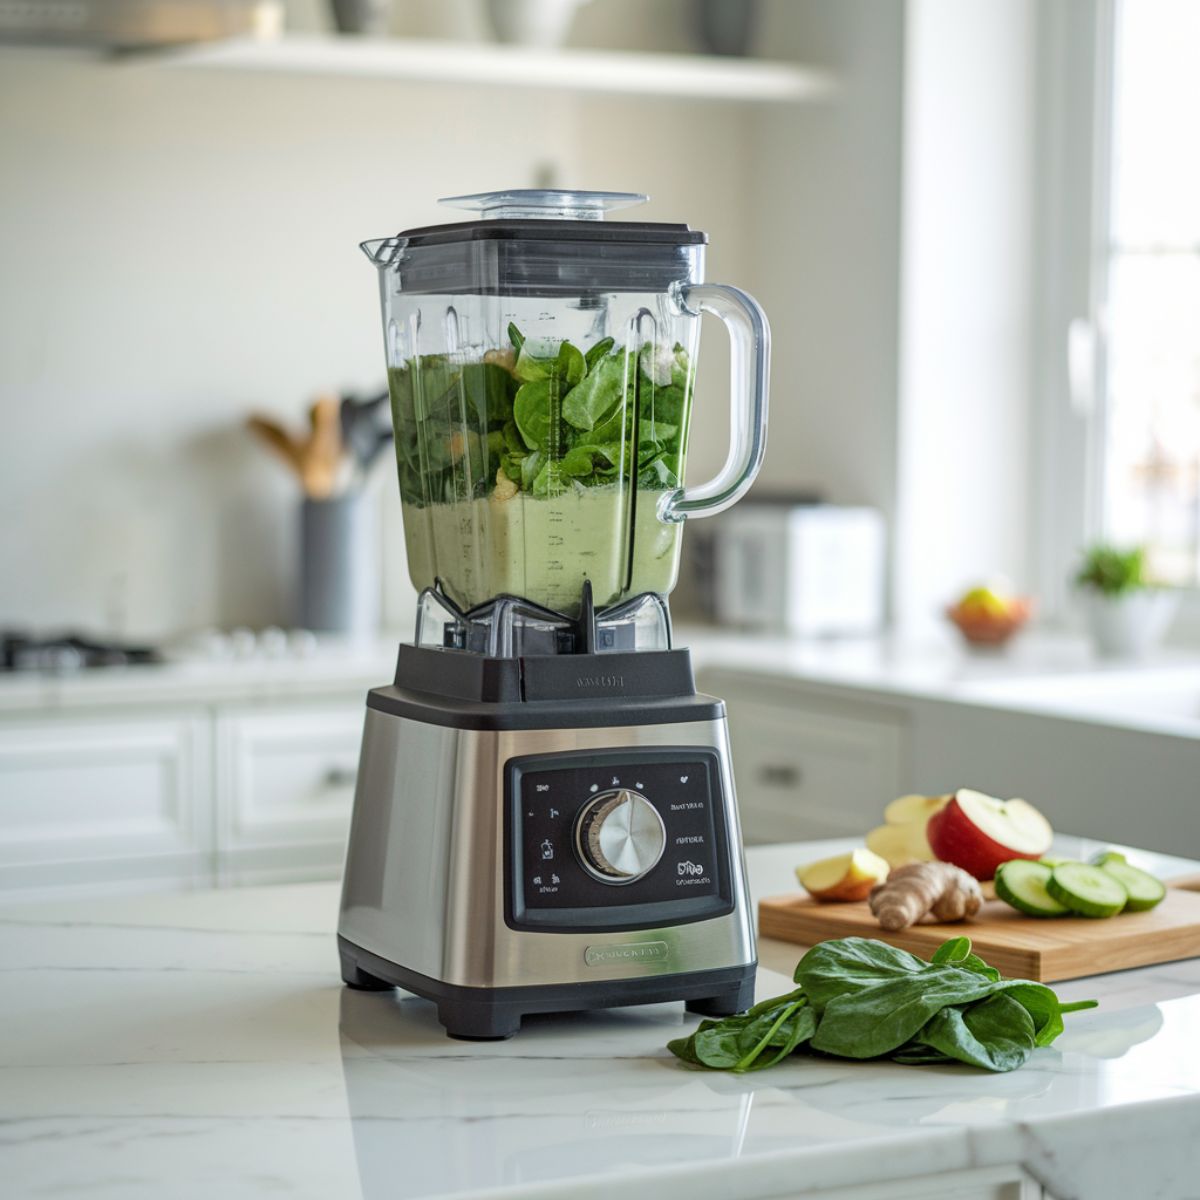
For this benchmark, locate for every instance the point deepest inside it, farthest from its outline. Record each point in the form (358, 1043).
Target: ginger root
(915, 890)
(506, 488)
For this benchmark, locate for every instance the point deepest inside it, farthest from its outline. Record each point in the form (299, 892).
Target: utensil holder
(339, 565)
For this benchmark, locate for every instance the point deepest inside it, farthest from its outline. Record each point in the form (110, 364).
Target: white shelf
(665, 75)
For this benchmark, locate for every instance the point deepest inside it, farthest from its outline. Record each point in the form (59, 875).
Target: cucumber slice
(1050, 860)
(1022, 884)
(1087, 890)
(1143, 889)
(1107, 856)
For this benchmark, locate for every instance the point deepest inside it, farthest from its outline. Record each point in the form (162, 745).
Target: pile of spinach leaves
(861, 998)
(547, 414)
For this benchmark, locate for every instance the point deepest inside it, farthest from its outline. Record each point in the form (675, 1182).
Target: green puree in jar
(536, 467)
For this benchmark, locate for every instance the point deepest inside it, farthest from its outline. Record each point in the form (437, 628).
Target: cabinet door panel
(287, 775)
(86, 788)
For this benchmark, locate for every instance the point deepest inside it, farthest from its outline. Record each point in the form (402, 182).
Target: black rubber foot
(725, 1004)
(353, 976)
(478, 1022)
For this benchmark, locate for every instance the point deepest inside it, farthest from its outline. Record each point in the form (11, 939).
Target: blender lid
(545, 242)
(546, 214)
(545, 203)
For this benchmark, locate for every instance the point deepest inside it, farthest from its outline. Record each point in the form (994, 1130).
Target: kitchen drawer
(805, 770)
(286, 775)
(96, 799)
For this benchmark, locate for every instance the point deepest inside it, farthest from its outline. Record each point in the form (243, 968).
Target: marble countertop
(1043, 674)
(329, 665)
(1040, 673)
(200, 1045)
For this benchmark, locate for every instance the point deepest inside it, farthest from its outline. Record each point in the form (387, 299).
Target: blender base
(491, 790)
(494, 1014)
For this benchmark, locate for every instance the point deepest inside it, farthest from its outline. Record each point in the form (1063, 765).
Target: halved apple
(979, 832)
(845, 877)
(900, 845)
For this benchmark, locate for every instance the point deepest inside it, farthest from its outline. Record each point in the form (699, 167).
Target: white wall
(179, 249)
(826, 250)
(966, 325)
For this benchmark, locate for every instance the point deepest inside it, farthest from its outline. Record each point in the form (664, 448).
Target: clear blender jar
(541, 363)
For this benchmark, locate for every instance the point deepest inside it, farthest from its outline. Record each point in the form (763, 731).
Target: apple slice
(845, 877)
(901, 844)
(978, 832)
(905, 809)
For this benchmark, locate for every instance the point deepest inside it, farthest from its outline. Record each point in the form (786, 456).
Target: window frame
(1073, 252)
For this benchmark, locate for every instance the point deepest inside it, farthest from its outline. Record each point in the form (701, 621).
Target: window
(1149, 435)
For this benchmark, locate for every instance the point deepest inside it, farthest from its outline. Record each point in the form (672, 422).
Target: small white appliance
(812, 570)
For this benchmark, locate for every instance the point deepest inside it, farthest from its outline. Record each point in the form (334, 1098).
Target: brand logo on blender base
(601, 956)
(591, 682)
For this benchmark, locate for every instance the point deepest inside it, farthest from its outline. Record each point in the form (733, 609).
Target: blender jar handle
(750, 365)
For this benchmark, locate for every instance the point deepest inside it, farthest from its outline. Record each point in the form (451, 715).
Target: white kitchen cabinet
(806, 769)
(93, 800)
(285, 787)
(188, 775)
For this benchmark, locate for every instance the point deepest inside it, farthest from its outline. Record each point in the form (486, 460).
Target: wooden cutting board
(1022, 947)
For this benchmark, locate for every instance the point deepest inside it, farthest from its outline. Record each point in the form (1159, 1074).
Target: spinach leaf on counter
(860, 998)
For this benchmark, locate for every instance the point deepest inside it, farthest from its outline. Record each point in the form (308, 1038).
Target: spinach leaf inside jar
(540, 417)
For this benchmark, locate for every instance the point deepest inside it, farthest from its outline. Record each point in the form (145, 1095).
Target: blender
(545, 818)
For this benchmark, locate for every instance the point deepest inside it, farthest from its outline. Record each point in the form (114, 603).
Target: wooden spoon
(272, 434)
(321, 456)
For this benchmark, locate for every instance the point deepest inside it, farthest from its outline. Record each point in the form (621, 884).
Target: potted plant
(1127, 613)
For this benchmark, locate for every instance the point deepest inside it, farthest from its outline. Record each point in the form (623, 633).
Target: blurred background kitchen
(973, 558)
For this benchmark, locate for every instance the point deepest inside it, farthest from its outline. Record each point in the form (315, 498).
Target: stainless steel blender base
(434, 883)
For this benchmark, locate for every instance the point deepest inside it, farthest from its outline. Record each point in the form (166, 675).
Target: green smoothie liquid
(530, 470)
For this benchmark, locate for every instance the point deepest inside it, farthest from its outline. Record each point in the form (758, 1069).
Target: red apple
(978, 832)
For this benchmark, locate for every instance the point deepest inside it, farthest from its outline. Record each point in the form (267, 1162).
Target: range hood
(127, 24)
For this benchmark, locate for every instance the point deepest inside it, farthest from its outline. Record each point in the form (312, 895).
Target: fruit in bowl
(986, 616)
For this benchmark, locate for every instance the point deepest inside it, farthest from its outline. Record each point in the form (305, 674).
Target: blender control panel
(609, 840)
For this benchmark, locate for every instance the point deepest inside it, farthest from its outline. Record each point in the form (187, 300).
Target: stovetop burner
(512, 627)
(69, 652)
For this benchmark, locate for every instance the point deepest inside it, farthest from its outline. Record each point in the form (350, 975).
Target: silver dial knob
(619, 836)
